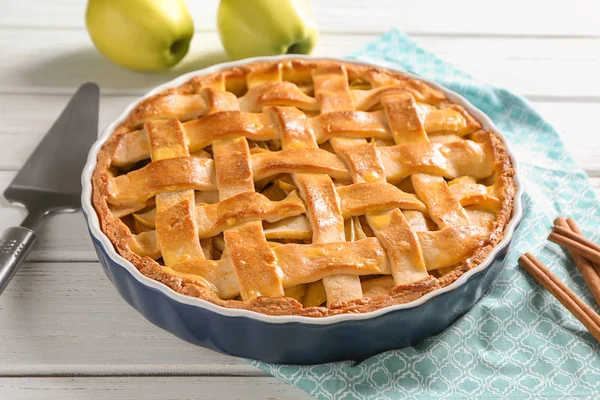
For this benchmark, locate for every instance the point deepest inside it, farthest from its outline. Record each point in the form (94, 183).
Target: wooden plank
(148, 388)
(463, 17)
(525, 66)
(26, 118)
(61, 237)
(67, 318)
(54, 61)
(576, 123)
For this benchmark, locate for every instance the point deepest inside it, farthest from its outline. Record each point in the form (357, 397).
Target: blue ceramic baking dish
(294, 339)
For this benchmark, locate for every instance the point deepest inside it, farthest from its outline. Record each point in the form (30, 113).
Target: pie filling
(303, 187)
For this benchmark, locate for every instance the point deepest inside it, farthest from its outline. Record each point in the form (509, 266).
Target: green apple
(145, 35)
(266, 27)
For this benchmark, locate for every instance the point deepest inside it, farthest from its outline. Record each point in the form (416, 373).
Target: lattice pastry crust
(303, 187)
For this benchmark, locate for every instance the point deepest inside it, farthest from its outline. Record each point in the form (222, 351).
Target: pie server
(50, 180)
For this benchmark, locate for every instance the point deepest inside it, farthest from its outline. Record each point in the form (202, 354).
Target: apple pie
(303, 187)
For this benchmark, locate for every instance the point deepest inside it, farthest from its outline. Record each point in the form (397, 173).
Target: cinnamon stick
(573, 225)
(588, 271)
(580, 310)
(578, 245)
(578, 237)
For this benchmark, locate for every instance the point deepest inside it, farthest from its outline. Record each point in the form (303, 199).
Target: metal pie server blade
(50, 180)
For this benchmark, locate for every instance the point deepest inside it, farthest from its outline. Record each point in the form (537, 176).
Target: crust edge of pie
(118, 233)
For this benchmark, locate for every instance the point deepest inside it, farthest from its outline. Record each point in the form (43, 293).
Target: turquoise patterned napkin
(518, 341)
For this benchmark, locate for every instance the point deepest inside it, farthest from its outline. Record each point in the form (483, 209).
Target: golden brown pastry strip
(298, 160)
(450, 246)
(176, 230)
(170, 105)
(327, 225)
(366, 197)
(212, 219)
(356, 199)
(219, 273)
(254, 263)
(140, 185)
(332, 93)
(443, 207)
(384, 84)
(350, 124)
(470, 193)
(449, 160)
(299, 264)
(379, 286)
(441, 249)
(224, 120)
(228, 124)
(391, 228)
(176, 233)
(305, 264)
(405, 121)
(276, 94)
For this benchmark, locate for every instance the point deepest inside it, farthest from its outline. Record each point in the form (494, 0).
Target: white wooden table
(64, 331)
